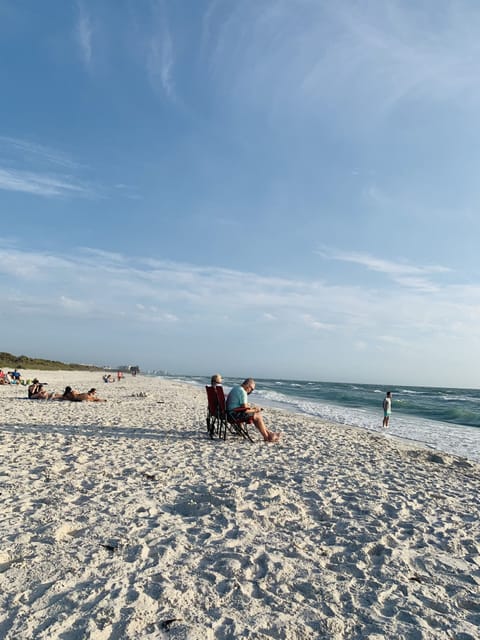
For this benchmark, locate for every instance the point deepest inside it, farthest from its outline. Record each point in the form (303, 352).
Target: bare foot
(273, 437)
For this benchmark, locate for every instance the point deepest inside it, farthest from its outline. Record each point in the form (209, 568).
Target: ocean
(439, 418)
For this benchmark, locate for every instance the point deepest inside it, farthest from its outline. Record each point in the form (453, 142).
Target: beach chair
(216, 423)
(229, 423)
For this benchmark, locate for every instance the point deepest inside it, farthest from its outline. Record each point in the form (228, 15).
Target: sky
(266, 188)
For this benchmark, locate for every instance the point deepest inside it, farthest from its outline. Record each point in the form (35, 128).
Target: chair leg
(241, 429)
(211, 425)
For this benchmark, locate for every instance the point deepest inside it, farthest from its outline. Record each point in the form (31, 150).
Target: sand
(124, 520)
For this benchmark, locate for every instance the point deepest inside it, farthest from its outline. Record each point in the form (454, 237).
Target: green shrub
(9, 361)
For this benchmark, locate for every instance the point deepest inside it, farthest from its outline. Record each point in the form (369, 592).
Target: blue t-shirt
(237, 398)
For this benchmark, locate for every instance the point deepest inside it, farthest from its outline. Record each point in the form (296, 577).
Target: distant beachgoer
(14, 377)
(119, 375)
(387, 408)
(216, 380)
(239, 408)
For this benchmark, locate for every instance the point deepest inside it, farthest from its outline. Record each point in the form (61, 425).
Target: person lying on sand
(75, 396)
(90, 396)
(68, 394)
(37, 392)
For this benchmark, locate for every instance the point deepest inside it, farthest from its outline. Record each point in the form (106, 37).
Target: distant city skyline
(279, 189)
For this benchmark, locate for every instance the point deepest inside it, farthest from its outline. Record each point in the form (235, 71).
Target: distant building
(131, 368)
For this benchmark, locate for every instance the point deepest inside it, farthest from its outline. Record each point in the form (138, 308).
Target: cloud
(74, 306)
(29, 167)
(360, 345)
(18, 149)
(39, 184)
(84, 33)
(315, 324)
(410, 276)
(140, 296)
(391, 340)
(160, 65)
(160, 56)
(356, 58)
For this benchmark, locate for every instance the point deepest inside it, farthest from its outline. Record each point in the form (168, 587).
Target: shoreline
(123, 519)
(438, 436)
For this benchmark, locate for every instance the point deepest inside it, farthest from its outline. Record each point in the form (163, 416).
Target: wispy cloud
(357, 58)
(407, 275)
(160, 64)
(177, 305)
(39, 184)
(29, 167)
(160, 52)
(18, 148)
(311, 322)
(76, 307)
(111, 284)
(84, 34)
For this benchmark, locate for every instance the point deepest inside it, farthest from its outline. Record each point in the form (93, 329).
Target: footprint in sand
(67, 530)
(6, 561)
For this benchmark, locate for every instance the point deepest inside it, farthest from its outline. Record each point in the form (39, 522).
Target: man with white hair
(240, 409)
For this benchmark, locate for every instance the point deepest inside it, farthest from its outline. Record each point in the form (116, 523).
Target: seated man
(240, 409)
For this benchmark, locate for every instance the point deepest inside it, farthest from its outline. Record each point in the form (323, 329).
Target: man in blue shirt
(239, 407)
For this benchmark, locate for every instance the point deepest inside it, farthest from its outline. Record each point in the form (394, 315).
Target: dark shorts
(240, 416)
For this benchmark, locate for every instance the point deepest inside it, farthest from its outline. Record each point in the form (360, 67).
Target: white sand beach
(123, 520)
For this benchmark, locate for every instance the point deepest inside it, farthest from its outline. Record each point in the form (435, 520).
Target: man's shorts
(387, 414)
(240, 416)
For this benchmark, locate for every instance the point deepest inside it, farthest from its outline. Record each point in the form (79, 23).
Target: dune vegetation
(10, 361)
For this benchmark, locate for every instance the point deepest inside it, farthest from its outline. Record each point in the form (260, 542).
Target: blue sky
(261, 187)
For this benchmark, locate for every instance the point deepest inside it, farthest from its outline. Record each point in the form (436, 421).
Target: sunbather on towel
(37, 392)
(74, 396)
(239, 408)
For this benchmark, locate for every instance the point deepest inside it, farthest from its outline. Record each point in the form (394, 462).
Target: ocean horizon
(441, 418)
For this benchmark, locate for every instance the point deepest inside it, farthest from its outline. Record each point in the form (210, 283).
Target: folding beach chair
(230, 423)
(216, 422)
